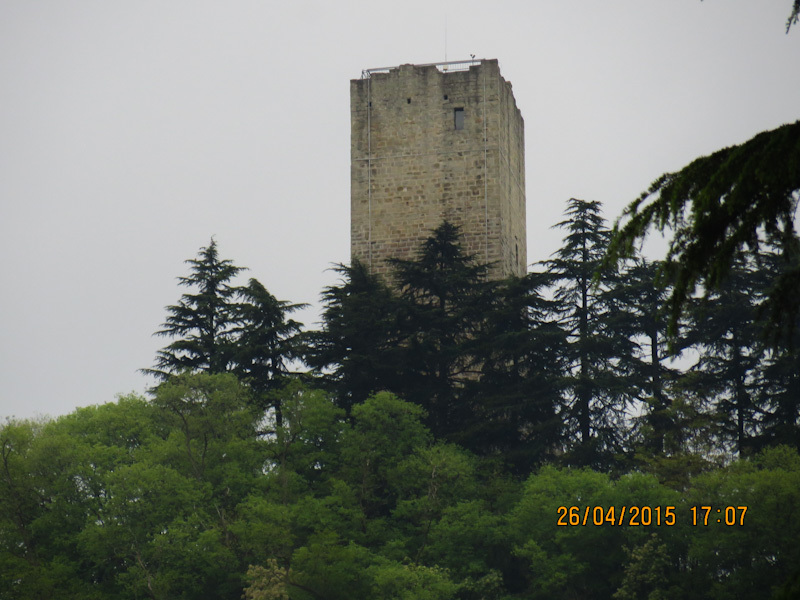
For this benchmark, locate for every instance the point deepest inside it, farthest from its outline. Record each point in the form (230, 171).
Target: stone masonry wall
(411, 168)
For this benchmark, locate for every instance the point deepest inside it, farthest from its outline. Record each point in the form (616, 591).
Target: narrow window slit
(458, 118)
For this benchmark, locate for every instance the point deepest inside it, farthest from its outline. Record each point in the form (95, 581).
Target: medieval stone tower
(431, 143)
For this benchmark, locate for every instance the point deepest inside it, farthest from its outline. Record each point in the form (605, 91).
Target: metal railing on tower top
(444, 67)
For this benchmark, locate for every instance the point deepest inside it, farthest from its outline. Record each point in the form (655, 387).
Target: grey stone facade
(429, 145)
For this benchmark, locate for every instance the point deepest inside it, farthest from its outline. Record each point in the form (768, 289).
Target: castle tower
(431, 143)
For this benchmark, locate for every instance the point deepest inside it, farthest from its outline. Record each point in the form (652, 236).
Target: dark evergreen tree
(779, 394)
(794, 16)
(736, 199)
(644, 298)
(356, 351)
(201, 322)
(223, 328)
(729, 336)
(515, 402)
(597, 354)
(265, 341)
(779, 382)
(444, 299)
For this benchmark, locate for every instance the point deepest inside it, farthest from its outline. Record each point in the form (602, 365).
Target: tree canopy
(201, 321)
(794, 16)
(738, 198)
(180, 498)
(438, 457)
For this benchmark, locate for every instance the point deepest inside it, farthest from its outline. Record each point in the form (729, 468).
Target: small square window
(458, 118)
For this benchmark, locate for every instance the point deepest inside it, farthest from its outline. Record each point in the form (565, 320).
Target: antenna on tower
(445, 37)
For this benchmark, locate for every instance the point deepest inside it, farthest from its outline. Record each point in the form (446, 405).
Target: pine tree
(644, 308)
(444, 297)
(201, 322)
(729, 337)
(737, 199)
(356, 351)
(780, 397)
(514, 404)
(597, 355)
(779, 381)
(265, 341)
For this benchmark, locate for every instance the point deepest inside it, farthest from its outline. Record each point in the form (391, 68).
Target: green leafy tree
(296, 498)
(42, 510)
(267, 583)
(160, 486)
(563, 562)
(385, 430)
(326, 570)
(152, 528)
(409, 581)
(23, 571)
(758, 555)
(427, 482)
(647, 574)
(212, 434)
(562, 558)
(471, 541)
(306, 446)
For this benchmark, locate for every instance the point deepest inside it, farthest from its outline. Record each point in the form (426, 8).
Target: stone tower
(431, 143)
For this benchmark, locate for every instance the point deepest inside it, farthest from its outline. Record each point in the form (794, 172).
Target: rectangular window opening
(458, 116)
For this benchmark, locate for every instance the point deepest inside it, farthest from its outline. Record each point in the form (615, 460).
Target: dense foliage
(222, 328)
(570, 363)
(738, 198)
(180, 498)
(455, 439)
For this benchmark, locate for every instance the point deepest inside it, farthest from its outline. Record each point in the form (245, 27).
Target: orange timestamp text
(616, 515)
(634, 516)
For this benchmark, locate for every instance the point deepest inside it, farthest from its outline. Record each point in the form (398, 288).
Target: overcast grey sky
(131, 132)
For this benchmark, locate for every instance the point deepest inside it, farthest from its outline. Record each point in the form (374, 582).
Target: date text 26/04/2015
(635, 516)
